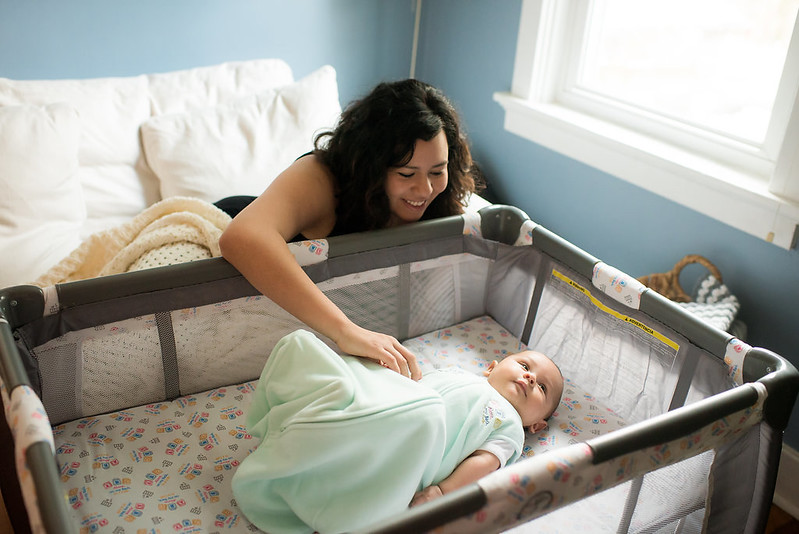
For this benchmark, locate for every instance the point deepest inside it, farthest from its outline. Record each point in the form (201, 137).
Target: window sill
(735, 198)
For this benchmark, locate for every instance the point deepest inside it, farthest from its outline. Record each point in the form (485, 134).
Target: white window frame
(755, 190)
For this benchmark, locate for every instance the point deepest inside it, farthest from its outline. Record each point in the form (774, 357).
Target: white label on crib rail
(310, 251)
(525, 234)
(29, 424)
(734, 358)
(51, 305)
(618, 285)
(27, 419)
(471, 224)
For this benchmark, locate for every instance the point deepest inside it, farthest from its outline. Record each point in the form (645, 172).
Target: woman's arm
(473, 468)
(302, 200)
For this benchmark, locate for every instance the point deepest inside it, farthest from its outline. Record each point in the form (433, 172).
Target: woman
(396, 156)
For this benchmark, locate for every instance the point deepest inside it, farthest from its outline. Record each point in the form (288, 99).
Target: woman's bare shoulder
(307, 190)
(309, 171)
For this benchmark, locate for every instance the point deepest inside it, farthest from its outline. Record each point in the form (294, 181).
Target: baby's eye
(524, 366)
(543, 387)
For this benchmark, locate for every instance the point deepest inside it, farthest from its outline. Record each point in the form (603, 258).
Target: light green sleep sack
(344, 442)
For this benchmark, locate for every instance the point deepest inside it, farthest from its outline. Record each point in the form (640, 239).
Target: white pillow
(240, 147)
(41, 205)
(188, 90)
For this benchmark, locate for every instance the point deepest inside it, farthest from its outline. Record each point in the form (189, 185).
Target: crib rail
(38, 458)
(766, 374)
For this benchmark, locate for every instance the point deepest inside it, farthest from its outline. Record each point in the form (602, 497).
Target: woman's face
(411, 188)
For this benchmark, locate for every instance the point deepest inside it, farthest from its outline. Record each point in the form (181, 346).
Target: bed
(125, 384)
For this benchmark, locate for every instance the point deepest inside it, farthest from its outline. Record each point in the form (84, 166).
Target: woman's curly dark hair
(380, 131)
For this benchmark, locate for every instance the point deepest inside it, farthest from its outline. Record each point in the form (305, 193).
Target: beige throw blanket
(172, 230)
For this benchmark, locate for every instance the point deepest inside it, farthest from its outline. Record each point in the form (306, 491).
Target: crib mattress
(167, 467)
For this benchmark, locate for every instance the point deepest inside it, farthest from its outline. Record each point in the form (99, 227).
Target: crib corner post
(781, 379)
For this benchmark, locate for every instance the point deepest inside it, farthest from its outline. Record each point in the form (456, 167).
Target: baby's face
(531, 382)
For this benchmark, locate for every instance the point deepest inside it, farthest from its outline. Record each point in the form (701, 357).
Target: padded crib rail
(771, 382)
(34, 460)
(541, 484)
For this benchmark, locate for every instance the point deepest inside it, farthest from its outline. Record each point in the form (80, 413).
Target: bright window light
(697, 102)
(715, 64)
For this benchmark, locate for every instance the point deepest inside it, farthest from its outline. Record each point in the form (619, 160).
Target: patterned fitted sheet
(167, 467)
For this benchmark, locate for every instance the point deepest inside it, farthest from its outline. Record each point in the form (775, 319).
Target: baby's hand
(427, 494)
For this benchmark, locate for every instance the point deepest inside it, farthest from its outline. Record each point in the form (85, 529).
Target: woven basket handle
(668, 283)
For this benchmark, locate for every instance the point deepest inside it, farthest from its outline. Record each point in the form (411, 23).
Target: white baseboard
(785, 494)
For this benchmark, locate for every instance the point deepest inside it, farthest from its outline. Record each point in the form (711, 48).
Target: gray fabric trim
(511, 286)
(61, 371)
(379, 259)
(730, 502)
(686, 376)
(543, 270)
(629, 506)
(169, 354)
(109, 311)
(766, 478)
(404, 304)
(163, 300)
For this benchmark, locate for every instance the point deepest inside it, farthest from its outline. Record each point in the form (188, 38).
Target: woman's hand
(382, 348)
(427, 494)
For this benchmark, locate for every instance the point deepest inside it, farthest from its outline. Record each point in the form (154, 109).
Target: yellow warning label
(650, 331)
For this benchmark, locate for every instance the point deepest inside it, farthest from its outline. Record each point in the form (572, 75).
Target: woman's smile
(413, 186)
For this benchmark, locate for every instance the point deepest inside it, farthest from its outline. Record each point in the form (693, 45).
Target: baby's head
(531, 382)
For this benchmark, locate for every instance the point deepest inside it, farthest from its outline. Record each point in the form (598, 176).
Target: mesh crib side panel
(59, 367)
(227, 342)
(671, 499)
(512, 280)
(711, 376)
(742, 481)
(627, 360)
(446, 291)
(672, 494)
(373, 304)
(101, 369)
(668, 500)
(598, 514)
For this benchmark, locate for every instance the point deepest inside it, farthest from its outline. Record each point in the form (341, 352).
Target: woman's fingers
(412, 365)
(395, 360)
(401, 360)
(383, 349)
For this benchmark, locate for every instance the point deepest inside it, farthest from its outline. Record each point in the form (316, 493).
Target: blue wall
(466, 48)
(366, 41)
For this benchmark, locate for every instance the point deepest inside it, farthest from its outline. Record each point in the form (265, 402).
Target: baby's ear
(537, 427)
(490, 368)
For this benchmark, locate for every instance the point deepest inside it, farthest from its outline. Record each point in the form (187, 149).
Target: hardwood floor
(780, 522)
(5, 523)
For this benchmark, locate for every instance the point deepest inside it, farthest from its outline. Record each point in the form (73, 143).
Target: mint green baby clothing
(346, 443)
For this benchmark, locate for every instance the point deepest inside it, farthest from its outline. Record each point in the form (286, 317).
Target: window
(695, 101)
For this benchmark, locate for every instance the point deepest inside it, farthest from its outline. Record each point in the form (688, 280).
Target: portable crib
(144, 377)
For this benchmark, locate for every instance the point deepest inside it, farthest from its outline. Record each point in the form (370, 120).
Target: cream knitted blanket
(189, 225)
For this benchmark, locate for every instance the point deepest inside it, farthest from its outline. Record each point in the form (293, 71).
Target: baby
(346, 443)
(533, 386)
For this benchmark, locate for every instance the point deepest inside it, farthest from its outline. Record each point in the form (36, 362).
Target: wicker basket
(668, 283)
